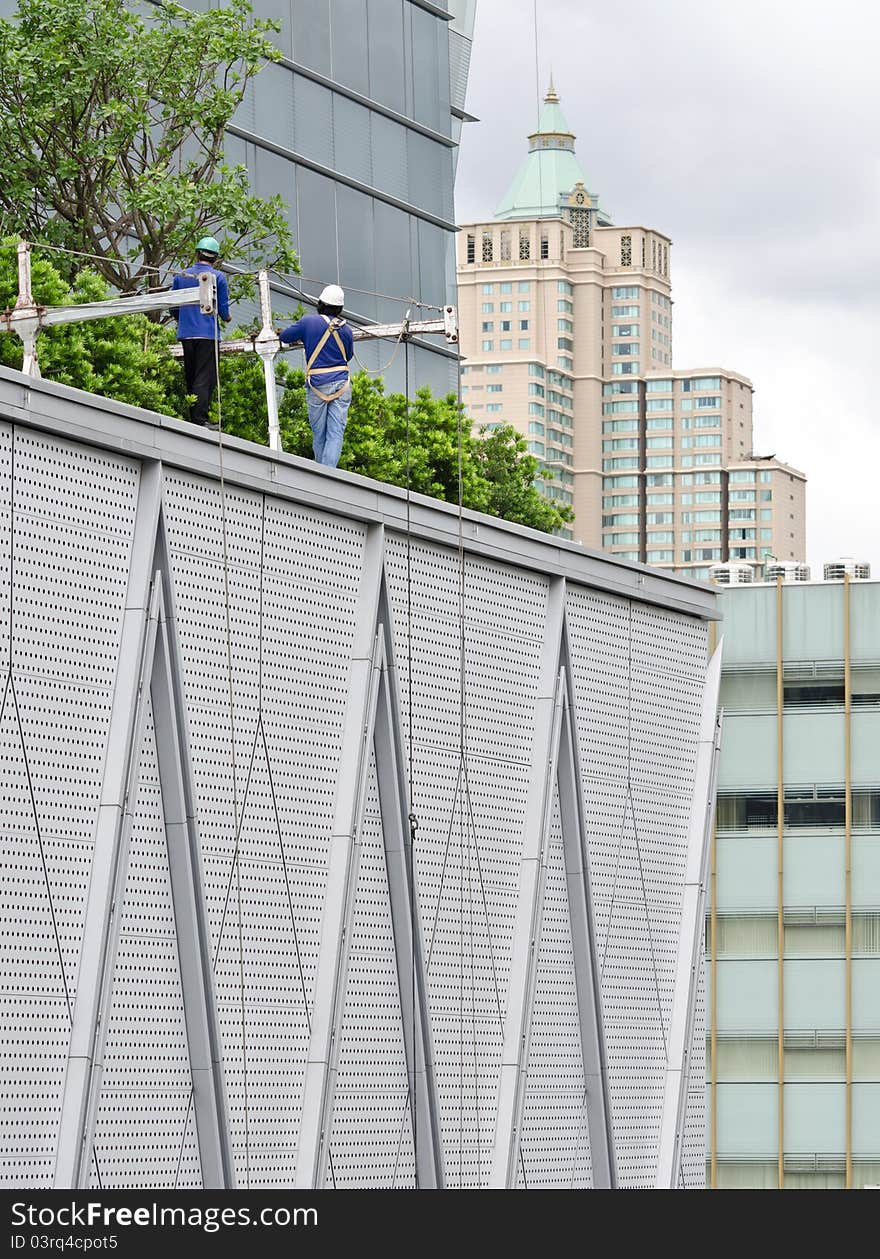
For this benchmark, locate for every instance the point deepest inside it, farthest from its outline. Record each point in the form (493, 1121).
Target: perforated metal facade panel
(371, 1136)
(145, 1133)
(556, 1138)
(267, 707)
(470, 812)
(67, 516)
(693, 1156)
(293, 585)
(638, 676)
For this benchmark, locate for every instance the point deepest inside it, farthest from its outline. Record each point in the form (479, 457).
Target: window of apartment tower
(505, 244)
(487, 246)
(545, 245)
(626, 251)
(644, 247)
(524, 244)
(471, 249)
(653, 255)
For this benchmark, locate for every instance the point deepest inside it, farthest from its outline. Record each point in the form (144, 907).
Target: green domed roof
(550, 170)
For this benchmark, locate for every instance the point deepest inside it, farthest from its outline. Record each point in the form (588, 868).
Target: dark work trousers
(200, 370)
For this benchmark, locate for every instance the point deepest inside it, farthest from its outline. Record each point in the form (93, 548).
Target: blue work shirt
(309, 330)
(191, 322)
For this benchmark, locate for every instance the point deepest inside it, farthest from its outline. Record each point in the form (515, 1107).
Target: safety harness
(315, 371)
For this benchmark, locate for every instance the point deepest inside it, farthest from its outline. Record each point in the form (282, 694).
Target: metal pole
(266, 345)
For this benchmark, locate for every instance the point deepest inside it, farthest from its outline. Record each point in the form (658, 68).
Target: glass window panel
(814, 941)
(313, 121)
(387, 77)
(809, 1063)
(311, 35)
(316, 207)
(357, 251)
(351, 139)
(746, 1058)
(747, 1175)
(348, 39)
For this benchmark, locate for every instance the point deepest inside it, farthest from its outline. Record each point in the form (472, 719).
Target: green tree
(127, 358)
(122, 358)
(499, 476)
(111, 135)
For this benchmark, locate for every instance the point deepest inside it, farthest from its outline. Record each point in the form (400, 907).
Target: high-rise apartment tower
(566, 325)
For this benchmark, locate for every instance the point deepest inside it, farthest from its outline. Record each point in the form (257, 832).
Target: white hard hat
(332, 295)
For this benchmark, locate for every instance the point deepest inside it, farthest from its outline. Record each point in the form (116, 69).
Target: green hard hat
(208, 245)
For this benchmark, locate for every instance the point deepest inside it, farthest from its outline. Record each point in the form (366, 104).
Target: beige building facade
(566, 326)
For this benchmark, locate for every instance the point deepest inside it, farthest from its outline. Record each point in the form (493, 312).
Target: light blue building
(795, 886)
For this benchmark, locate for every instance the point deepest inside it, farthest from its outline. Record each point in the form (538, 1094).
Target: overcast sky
(748, 133)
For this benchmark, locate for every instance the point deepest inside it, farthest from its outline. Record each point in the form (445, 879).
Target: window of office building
(506, 343)
(523, 343)
(523, 307)
(563, 286)
(487, 346)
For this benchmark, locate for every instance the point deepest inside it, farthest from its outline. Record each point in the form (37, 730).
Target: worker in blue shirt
(328, 346)
(198, 333)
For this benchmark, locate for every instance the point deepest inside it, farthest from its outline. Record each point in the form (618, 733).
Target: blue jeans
(328, 421)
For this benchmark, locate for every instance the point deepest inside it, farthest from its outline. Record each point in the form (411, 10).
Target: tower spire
(551, 98)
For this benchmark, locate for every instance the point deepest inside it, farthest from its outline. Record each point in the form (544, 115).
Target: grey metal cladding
(693, 1157)
(555, 1142)
(293, 581)
(470, 813)
(371, 1135)
(65, 558)
(145, 1134)
(638, 680)
(273, 580)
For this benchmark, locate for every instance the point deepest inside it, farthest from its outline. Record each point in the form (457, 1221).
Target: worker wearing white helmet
(328, 346)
